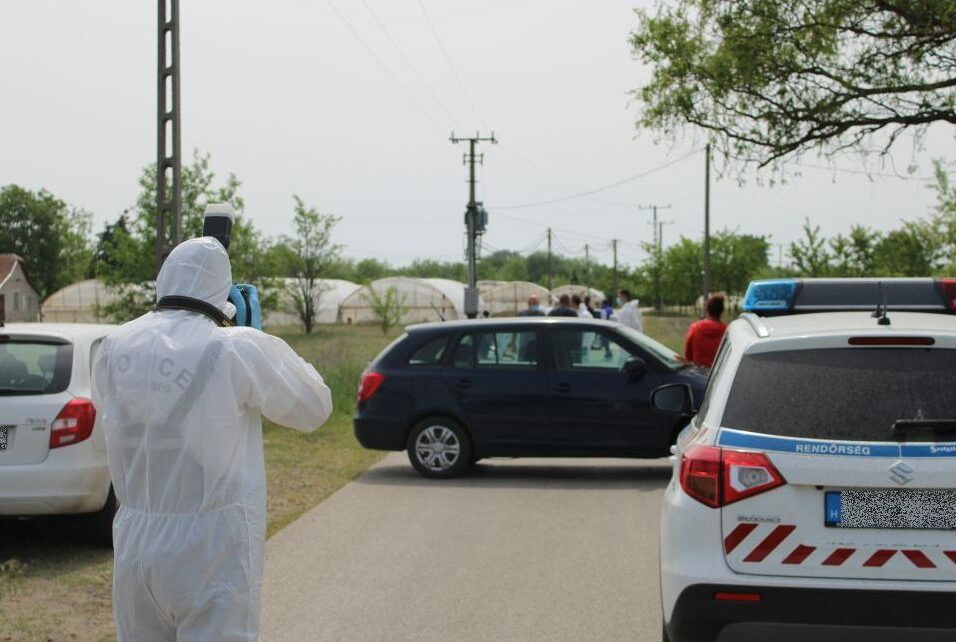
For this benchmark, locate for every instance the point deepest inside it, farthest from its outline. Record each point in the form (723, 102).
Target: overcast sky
(349, 103)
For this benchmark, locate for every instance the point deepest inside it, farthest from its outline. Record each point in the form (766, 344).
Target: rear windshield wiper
(907, 425)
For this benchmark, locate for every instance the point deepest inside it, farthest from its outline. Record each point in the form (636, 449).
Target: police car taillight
(717, 476)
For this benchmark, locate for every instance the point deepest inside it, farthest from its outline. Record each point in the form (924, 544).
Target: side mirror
(635, 368)
(673, 398)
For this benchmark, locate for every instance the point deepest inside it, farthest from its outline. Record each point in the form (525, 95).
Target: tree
(53, 238)
(735, 259)
(769, 78)
(809, 254)
(388, 308)
(125, 256)
(309, 254)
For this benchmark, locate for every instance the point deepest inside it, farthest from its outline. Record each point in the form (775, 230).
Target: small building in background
(19, 298)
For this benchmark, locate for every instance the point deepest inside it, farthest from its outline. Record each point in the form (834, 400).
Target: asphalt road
(519, 550)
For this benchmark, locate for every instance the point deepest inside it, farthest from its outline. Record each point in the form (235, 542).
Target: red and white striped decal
(836, 557)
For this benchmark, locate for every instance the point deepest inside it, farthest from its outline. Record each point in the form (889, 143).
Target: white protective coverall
(631, 315)
(180, 402)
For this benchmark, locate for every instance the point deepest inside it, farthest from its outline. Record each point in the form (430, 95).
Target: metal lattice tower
(168, 148)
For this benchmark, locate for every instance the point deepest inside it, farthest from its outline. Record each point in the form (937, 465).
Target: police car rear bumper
(820, 615)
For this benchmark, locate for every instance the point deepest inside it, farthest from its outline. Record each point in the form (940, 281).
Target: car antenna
(438, 312)
(881, 310)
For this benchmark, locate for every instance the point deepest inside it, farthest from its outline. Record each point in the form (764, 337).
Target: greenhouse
(422, 300)
(582, 291)
(79, 302)
(330, 293)
(508, 298)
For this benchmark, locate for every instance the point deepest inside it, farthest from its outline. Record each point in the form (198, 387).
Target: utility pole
(168, 139)
(614, 247)
(476, 219)
(658, 248)
(707, 282)
(550, 264)
(587, 268)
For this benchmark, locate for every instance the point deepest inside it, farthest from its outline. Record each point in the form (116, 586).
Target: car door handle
(463, 383)
(563, 388)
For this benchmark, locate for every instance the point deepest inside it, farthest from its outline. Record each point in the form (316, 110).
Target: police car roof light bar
(792, 296)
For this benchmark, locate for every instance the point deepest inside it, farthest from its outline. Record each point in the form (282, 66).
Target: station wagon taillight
(74, 423)
(370, 383)
(718, 476)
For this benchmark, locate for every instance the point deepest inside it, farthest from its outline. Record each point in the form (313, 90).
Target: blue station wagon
(452, 393)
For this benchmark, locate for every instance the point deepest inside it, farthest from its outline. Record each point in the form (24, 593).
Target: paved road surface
(519, 550)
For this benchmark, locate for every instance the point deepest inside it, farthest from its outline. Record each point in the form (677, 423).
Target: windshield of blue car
(662, 353)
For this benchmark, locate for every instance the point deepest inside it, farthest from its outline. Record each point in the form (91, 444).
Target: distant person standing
(593, 312)
(578, 306)
(563, 309)
(630, 314)
(703, 337)
(534, 308)
(607, 310)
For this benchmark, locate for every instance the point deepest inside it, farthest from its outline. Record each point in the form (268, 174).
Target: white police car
(52, 457)
(814, 494)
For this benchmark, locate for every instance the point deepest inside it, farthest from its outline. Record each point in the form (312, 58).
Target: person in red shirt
(703, 337)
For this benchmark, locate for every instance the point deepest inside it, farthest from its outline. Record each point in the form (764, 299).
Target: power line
(599, 189)
(863, 172)
(560, 229)
(408, 62)
(385, 68)
(451, 65)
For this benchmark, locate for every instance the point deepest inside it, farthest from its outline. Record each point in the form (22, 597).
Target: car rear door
(859, 501)
(35, 374)
(595, 406)
(497, 381)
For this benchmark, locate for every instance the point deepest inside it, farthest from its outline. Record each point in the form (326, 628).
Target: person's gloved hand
(246, 299)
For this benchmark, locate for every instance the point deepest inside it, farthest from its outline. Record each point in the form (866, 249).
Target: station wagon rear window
(852, 394)
(30, 367)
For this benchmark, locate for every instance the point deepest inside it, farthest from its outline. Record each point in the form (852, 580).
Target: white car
(814, 494)
(52, 460)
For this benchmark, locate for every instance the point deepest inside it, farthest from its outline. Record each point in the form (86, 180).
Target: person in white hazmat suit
(180, 401)
(630, 314)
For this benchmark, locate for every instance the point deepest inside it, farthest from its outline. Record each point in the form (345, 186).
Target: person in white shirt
(630, 314)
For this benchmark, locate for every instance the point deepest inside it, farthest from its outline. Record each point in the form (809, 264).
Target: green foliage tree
(52, 237)
(125, 253)
(735, 259)
(388, 308)
(810, 255)
(768, 78)
(307, 256)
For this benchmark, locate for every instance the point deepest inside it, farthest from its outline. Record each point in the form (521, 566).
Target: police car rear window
(853, 394)
(34, 367)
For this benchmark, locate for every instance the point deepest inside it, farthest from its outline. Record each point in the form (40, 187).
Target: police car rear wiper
(905, 425)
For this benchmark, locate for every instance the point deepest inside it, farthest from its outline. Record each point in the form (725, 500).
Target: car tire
(98, 526)
(439, 448)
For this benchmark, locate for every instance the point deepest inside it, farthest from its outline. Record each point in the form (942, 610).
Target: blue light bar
(773, 295)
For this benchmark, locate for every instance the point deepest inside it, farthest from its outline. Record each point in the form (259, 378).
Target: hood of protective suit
(198, 268)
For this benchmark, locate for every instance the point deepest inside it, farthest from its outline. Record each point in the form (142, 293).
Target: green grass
(669, 330)
(54, 587)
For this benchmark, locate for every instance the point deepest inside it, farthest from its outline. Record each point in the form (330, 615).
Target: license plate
(931, 509)
(3, 437)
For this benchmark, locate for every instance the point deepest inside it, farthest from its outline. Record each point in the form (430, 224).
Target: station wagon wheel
(439, 447)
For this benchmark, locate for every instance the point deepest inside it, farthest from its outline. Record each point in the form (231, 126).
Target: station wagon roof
(510, 321)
